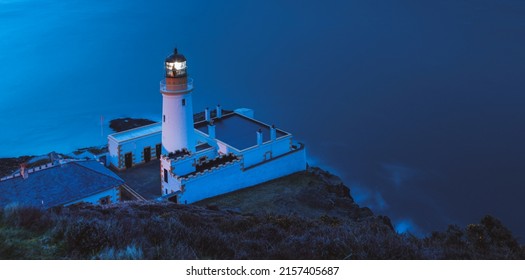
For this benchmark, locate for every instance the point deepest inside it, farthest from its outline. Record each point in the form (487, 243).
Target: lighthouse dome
(175, 65)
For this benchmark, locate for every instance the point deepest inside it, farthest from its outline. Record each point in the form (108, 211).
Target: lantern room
(175, 65)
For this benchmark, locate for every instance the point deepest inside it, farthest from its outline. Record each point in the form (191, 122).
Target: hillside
(310, 194)
(307, 215)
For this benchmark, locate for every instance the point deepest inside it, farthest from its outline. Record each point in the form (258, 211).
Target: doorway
(147, 154)
(158, 150)
(128, 160)
(173, 199)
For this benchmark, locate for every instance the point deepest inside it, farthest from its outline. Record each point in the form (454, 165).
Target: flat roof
(202, 146)
(137, 132)
(239, 131)
(59, 185)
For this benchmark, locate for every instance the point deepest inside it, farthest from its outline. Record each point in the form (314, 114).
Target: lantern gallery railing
(174, 88)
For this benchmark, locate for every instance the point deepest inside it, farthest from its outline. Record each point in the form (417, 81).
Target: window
(104, 200)
(164, 118)
(183, 102)
(165, 175)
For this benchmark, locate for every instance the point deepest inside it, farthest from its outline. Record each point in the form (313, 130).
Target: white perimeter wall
(181, 167)
(258, 154)
(231, 178)
(173, 184)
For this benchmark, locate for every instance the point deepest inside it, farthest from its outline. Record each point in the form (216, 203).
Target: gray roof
(238, 131)
(59, 185)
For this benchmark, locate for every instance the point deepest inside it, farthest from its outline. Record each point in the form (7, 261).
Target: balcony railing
(176, 88)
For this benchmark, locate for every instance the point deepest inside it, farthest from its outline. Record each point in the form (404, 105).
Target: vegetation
(154, 230)
(302, 216)
(96, 150)
(9, 165)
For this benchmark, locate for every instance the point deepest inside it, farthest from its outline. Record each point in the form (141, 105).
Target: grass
(302, 216)
(302, 193)
(153, 230)
(20, 243)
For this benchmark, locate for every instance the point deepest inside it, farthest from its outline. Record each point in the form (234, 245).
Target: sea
(419, 106)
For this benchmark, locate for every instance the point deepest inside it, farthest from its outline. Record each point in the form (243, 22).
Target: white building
(134, 146)
(219, 154)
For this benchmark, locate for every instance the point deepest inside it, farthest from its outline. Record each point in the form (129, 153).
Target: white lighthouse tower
(177, 109)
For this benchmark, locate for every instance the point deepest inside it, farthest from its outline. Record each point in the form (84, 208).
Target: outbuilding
(62, 184)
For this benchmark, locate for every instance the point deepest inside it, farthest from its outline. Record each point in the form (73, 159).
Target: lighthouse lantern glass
(180, 65)
(170, 65)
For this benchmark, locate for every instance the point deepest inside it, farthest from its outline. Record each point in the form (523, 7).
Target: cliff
(308, 215)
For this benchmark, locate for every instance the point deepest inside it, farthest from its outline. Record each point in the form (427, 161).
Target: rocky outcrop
(123, 124)
(333, 184)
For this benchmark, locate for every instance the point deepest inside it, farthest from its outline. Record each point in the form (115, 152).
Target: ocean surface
(418, 105)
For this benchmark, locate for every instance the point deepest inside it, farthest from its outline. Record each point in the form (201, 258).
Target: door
(128, 160)
(158, 150)
(147, 154)
(174, 199)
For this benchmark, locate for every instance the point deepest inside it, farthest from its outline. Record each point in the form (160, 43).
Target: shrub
(26, 217)
(131, 252)
(171, 251)
(86, 237)
(156, 230)
(212, 244)
(499, 234)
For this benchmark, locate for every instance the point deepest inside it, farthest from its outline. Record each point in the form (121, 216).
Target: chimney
(23, 171)
(207, 114)
(211, 130)
(219, 111)
(273, 133)
(259, 137)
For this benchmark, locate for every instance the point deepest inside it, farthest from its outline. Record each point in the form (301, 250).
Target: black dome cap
(175, 57)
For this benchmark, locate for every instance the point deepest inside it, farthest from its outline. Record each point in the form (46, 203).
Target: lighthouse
(177, 110)
(213, 155)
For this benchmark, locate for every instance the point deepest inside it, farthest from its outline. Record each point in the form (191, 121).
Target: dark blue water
(417, 105)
